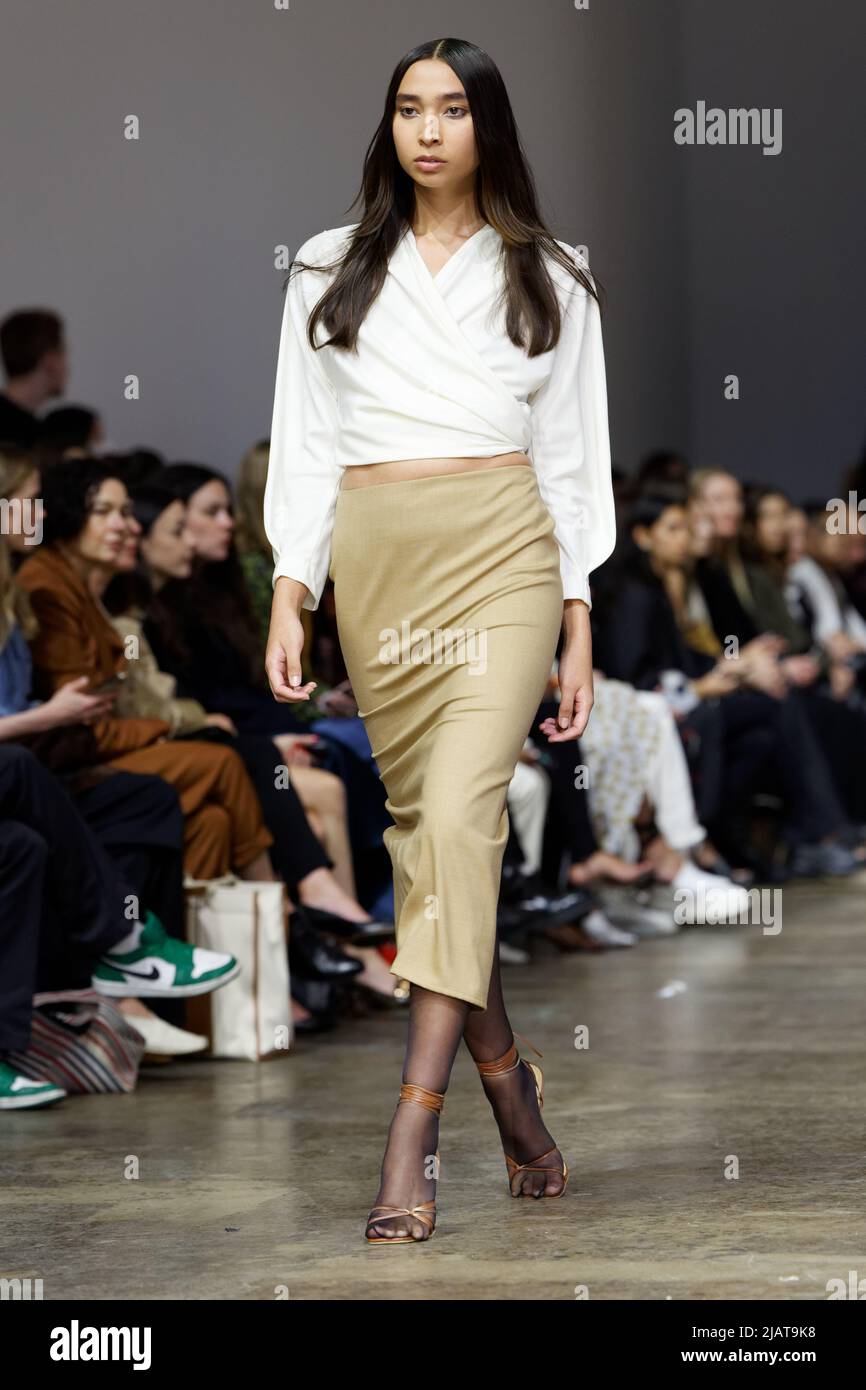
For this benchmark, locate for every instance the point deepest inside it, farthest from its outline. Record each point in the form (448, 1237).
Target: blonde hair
(250, 499)
(16, 465)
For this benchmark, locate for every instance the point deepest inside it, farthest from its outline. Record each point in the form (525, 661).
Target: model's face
(722, 496)
(210, 521)
(432, 121)
(167, 550)
(104, 532)
(771, 527)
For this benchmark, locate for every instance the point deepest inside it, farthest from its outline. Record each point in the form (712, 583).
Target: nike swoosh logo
(151, 974)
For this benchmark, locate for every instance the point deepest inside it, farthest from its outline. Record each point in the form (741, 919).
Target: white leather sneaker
(164, 1040)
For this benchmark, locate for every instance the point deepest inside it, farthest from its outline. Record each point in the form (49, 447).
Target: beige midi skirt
(448, 602)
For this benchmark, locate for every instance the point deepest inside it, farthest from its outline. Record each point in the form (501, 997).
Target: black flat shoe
(311, 958)
(321, 1000)
(511, 921)
(372, 933)
(527, 898)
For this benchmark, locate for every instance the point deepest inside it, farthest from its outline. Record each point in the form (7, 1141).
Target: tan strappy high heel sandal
(425, 1212)
(507, 1063)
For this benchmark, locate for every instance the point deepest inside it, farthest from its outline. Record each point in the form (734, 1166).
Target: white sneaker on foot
(164, 1040)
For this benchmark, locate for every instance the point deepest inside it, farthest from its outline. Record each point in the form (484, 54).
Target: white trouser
(528, 796)
(667, 780)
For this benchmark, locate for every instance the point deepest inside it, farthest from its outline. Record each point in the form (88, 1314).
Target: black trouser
(513, 852)
(23, 861)
(255, 712)
(568, 811)
(63, 901)
(746, 737)
(841, 732)
(137, 819)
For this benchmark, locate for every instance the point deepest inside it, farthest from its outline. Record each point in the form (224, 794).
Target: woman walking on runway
(440, 449)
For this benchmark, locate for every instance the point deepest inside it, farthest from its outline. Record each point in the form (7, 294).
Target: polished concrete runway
(718, 1046)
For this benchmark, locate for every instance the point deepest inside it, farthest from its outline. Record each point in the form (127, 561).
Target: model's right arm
(302, 485)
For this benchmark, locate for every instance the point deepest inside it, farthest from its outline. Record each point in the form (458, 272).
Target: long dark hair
(505, 193)
(68, 492)
(629, 564)
(750, 546)
(216, 594)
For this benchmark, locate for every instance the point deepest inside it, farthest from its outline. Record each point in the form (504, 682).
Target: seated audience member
(637, 772)
(639, 639)
(135, 818)
(35, 365)
(743, 585)
(85, 524)
(764, 546)
(818, 559)
(65, 922)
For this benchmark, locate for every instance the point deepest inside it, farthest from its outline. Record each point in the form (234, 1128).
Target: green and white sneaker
(161, 967)
(21, 1093)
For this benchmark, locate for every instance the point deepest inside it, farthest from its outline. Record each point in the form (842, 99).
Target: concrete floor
(257, 1179)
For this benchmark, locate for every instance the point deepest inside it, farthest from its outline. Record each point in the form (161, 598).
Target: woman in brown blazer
(83, 528)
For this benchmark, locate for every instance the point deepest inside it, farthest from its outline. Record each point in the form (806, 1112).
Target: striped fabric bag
(81, 1041)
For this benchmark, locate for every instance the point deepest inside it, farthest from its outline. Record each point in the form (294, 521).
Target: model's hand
(575, 678)
(285, 644)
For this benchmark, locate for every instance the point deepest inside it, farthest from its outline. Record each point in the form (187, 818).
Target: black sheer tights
(437, 1022)
(512, 1094)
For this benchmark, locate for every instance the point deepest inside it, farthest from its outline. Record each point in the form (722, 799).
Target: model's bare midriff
(397, 470)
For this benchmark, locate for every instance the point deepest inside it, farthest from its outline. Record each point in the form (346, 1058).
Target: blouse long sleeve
(303, 478)
(571, 445)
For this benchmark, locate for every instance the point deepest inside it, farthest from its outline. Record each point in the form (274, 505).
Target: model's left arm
(571, 455)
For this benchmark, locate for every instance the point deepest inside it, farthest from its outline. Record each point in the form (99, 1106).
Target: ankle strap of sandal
(508, 1061)
(431, 1100)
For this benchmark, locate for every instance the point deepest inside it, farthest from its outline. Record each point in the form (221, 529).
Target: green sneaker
(21, 1093)
(161, 967)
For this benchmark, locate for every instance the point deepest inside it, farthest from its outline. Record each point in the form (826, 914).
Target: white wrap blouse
(435, 375)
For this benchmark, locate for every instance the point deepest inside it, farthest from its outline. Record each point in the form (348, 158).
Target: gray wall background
(159, 252)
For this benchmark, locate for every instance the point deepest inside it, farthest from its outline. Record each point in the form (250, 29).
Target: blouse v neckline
(470, 241)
